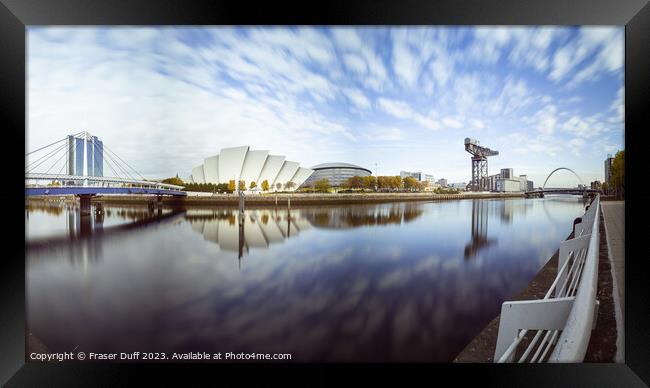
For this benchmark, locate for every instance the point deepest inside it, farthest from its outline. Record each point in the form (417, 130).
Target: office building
(88, 149)
(508, 185)
(506, 173)
(416, 175)
(442, 182)
(429, 180)
(608, 169)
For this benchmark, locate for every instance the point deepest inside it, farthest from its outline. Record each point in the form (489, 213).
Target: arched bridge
(580, 190)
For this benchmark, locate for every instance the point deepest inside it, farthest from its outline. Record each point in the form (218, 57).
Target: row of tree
(378, 183)
(322, 186)
(229, 187)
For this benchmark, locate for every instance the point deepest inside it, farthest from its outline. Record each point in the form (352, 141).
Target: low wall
(303, 199)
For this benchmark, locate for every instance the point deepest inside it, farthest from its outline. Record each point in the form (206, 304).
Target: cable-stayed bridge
(75, 164)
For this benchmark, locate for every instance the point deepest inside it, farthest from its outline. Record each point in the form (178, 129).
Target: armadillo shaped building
(243, 164)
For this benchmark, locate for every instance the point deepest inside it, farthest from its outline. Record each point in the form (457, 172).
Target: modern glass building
(89, 157)
(93, 150)
(336, 173)
(98, 157)
(79, 156)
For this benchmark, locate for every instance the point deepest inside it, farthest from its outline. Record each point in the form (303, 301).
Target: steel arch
(562, 168)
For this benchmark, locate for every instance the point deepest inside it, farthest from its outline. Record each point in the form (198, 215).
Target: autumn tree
(253, 185)
(231, 185)
(289, 185)
(173, 181)
(278, 186)
(396, 182)
(265, 185)
(369, 182)
(322, 186)
(354, 182)
(411, 183)
(618, 174)
(383, 182)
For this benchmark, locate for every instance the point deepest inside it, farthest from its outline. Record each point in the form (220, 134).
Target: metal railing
(562, 321)
(97, 179)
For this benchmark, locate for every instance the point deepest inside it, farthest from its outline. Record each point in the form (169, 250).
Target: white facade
(253, 164)
(287, 172)
(271, 169)
(301, 175)
(211, 169)
(197, 174)
(240, 163)
(508, 185)
(231, 161)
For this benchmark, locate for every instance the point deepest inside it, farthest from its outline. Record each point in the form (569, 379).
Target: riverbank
(283, 199)
(603, 341)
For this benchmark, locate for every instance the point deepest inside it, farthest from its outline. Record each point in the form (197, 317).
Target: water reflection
(351, 283)
(237, 232)
(362, 215)
(480, 228)
(88, 227)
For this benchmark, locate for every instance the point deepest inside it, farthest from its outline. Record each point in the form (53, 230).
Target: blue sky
(398, 98)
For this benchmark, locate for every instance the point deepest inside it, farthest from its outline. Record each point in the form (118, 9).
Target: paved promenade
(614, 214)
(614, 217)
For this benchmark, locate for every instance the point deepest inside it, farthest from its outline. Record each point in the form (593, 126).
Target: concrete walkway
(614, 217)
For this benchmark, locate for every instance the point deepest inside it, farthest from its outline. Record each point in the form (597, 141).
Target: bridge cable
(119, 166)
(112, 169)
(31, 152)
(136, 171)
(57, 161)
(34, 164)
(122, 167)
(74, 146)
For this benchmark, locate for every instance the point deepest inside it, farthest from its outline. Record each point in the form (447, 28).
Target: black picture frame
(16, 15)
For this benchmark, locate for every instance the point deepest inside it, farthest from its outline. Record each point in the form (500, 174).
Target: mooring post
(289, 204)
(241, 202)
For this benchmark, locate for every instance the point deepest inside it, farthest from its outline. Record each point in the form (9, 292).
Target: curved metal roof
(324, 166)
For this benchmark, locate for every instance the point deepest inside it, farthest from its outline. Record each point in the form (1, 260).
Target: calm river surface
(411, 281)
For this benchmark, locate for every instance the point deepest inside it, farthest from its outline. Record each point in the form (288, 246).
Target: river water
(410, 281)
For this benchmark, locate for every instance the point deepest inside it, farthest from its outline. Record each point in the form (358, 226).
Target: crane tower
(479, 163)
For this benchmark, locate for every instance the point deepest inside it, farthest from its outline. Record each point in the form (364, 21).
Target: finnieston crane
(479, 163)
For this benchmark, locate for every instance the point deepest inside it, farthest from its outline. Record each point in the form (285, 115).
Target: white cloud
(546, 120)
(347, 38)
(402, 110)
(386, 134)
(395, 108)
(355, 63)
(452, 122)
(357, 97)
(479, 124)
(406, 64)
(605, 44)
(320, 85)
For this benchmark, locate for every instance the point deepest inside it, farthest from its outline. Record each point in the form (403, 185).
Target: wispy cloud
(165, 98)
